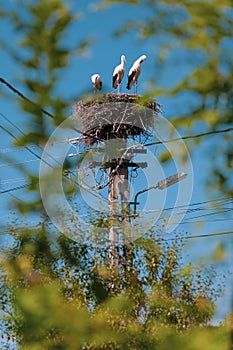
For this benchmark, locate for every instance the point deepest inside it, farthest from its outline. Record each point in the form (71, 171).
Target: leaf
(165, 156)
(220, 253)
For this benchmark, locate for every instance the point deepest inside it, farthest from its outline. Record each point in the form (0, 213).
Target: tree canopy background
(50, 283)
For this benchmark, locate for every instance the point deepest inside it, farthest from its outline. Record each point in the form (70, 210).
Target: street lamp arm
(162, 184)
(140, 192)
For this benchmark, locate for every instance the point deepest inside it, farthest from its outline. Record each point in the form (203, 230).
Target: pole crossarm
(115, 163)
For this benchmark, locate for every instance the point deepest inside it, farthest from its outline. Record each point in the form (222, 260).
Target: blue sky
(102, 56)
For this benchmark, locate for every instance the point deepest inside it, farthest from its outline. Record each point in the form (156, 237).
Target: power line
(202, 221)
(14, 189)
(25, 161)
(191, 211)
(16, 91)
(17, 149)
(189, 219)
(13, 149)
(18, 163)
(187, 137)
(26, 147)
(185, 207)
(12, 195)
(226, 210)
(205, 235)
(8, 181)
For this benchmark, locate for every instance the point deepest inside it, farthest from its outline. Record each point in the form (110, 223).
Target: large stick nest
(108, 116)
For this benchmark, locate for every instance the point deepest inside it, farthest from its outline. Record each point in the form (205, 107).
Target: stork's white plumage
(134, 72)
(96, 81)
(118, 73)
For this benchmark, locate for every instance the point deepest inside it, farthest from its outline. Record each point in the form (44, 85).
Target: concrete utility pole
(118, 193)
(119, 208)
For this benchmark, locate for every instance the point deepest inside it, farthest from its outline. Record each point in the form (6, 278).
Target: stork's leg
(136, 85)
(120, 88)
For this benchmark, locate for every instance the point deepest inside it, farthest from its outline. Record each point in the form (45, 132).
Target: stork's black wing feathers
(130, 78)
(114, 78)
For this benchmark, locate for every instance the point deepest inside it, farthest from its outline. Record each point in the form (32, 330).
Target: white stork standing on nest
(134, 73)
(118, 74)
(96, 81)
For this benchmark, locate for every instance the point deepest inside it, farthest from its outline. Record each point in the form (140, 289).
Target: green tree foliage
(59, 294)
(195, 36)
(41, 52)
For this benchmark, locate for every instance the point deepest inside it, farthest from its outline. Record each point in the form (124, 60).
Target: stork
(96, 81)
(118, 74)
(134, 73)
